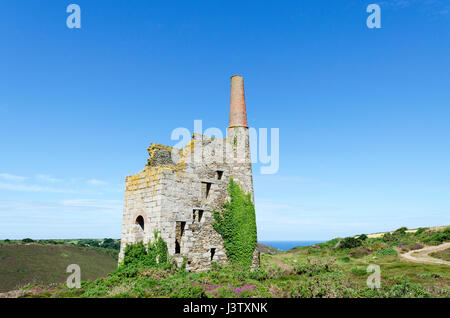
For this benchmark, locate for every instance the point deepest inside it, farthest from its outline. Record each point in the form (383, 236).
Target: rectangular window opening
(206, 187)
(197, 215)
(179, 231)
(177, 247)
(219, 175)
(213, 252)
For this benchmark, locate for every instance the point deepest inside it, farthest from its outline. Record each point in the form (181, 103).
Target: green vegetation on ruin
(236, 223)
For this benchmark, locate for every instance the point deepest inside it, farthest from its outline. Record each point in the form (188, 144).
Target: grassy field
(22, 264)
(337, 268)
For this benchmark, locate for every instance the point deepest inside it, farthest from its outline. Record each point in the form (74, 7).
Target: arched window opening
(140, 222)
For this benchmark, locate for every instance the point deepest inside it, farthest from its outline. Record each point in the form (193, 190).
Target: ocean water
(287, 245)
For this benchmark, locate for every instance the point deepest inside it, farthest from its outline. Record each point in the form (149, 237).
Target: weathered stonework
(178, 189)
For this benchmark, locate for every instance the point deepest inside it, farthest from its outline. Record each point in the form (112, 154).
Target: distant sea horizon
(287, 245)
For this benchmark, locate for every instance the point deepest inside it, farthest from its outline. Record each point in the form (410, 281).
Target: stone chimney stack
(238, 114)
(238, 145)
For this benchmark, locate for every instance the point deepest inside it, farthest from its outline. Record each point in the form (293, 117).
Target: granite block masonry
(178, 190)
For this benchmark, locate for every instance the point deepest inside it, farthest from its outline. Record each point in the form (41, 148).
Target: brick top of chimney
(238, 114)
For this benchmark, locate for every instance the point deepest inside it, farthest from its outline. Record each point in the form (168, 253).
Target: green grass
(325, 270)
(294, 274)
(299, 273)
(22, 264)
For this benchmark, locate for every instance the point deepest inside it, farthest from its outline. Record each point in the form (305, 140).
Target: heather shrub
(360, 252)
(406, 289)
(325, 285)
(312, 268)
(416, 246)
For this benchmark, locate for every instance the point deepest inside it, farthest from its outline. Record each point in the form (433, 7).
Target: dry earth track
(422, 256)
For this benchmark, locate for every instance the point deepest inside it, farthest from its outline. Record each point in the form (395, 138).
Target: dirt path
(421, 256)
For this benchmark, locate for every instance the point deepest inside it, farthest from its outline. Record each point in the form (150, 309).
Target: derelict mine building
(178, 189)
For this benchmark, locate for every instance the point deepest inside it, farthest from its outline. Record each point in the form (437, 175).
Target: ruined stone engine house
(178, 189)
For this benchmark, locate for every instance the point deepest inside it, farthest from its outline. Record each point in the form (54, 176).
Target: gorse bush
(437, 236)
(391, 237)
(419, 231)
(400, 231)
(385, 252)
(363, 237)
(350, 242)
(236, 223)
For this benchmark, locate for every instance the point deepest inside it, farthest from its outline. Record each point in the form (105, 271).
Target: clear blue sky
(363, 113)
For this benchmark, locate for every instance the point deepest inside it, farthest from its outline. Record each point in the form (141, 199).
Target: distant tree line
(105, 243)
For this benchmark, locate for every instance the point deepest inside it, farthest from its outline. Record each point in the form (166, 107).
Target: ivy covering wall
(236, 223)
